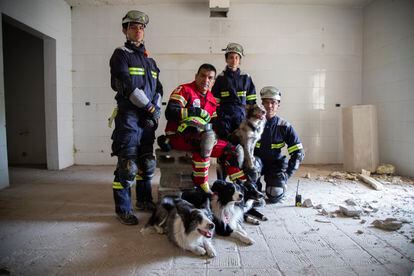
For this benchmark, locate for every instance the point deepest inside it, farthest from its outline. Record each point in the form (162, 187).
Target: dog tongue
(206, 234)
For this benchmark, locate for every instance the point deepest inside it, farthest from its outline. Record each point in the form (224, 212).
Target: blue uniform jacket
(130, 69)
(277, 134)
(233, 90)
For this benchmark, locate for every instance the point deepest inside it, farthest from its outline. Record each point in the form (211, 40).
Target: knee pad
(274, 194)
(127, 170)
(146, 166)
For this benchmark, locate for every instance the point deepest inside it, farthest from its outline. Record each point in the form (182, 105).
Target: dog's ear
(217, 185)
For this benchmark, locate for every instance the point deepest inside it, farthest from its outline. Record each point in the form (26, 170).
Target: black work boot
(128, 218)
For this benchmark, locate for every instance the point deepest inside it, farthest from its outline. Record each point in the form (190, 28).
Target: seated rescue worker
(190, 109)
(277, 133)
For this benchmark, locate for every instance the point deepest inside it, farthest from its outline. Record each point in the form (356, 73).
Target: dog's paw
(264, 218)
(248, 241)
(159, 229)
(211, 252)
(199, 251)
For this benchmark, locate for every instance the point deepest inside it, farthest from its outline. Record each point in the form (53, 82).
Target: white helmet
(136, 16)
(234, 48)
(270, 92)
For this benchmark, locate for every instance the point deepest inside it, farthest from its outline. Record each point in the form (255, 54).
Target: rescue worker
(277, 133)
(189, 112)
(135, 78)
(233, 90)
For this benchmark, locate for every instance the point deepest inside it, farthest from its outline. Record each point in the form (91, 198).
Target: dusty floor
(62, 223)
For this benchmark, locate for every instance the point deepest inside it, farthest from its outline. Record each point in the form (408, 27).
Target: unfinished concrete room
(207, 137)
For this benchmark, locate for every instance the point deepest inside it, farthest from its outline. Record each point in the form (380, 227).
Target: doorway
(24, 86)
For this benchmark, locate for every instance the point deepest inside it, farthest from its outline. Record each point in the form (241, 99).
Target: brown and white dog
(250, 131)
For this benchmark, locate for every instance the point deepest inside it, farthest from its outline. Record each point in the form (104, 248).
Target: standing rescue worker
(135, 78)
(234, 91)
(190, 108)
(277, 133)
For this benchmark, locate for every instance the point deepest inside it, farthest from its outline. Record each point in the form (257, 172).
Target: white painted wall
(388, 78)
(53, 19)
(313, 53)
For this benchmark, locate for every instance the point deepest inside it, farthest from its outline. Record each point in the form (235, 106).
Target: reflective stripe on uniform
(251, 97)
(117, 185)
(214, 114)
(201, 165)
(205, 187)
(295, 148)
(225, 93)
(200, 174)
(217, 100)
(136, 71)
(236, 175)
(138, 177)
(154, 74)
(241, 93)
(184, 113)
(257, 145)
(277, 146)
(178, 98)
(112, 117)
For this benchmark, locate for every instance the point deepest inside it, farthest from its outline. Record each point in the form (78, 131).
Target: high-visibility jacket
(187, 97)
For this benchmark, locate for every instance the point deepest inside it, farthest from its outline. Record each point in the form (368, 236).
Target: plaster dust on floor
(63, 223)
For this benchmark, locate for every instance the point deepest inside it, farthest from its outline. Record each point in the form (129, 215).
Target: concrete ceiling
(338, 3)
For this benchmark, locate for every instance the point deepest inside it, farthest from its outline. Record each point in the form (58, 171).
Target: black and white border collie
(186, 226)
(228, 210)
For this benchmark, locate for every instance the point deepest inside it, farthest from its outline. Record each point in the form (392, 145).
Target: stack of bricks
(176, 170)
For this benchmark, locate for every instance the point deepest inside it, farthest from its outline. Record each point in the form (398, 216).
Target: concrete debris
(371, 181)
(365, 172)
(319, 206)
(327, 213)
(307, 203)
(370, 208)
(385, 169)
(389, 224)
(343, 175)
(323, 220)
(350, 202)
(350, 211)
(362, 221)
(360, 232)
(307, 175)
(339, 175)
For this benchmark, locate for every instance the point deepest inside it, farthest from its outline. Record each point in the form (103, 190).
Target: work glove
(154, 111)
(203, 114)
